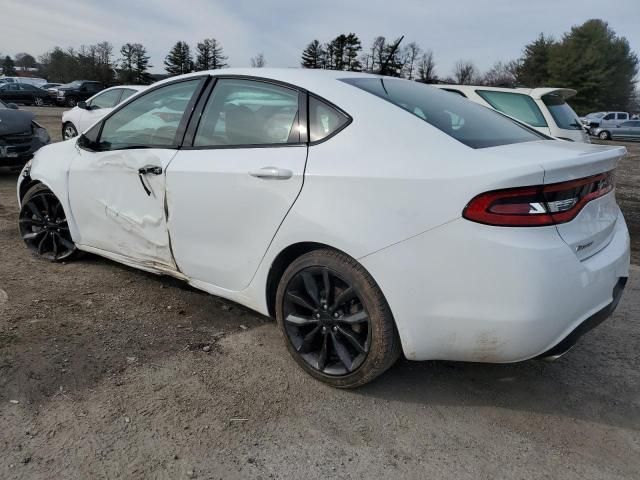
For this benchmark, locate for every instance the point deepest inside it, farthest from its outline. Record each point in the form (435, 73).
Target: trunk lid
(592, 229)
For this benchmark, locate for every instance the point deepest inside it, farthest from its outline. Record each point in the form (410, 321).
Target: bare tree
(258, 61)
(411, 52)
(501, 74)
(464, 72)
(427, 68)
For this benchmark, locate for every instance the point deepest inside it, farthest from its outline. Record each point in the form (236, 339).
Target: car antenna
(383, 67)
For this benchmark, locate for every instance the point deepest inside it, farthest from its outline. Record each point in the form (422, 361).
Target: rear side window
(562, 113)
(324, 120)
(516, 105)
(247, 112)
(469, 123)
(622, 116)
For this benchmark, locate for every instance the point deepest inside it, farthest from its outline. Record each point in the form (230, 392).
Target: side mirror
(83, 105)
(12, 106)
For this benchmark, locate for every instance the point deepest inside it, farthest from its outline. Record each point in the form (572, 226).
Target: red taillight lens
(538, 205)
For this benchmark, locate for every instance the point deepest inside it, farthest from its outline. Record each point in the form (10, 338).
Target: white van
(28, 80)
(544, 109)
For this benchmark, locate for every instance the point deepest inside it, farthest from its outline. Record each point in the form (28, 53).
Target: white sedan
(371, 216)
(85, 114)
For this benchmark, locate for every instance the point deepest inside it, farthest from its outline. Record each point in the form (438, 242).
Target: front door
(230, 190)
(117, 181)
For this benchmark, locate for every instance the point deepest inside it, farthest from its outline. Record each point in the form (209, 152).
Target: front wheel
(38, 102)
(43, 225)
(604, 135)
(71, 102)
(337, 324)
(69, 131)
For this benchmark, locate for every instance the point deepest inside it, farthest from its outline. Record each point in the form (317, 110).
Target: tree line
(590, 58)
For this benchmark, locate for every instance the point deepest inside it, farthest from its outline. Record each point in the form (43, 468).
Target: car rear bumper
(472, 292)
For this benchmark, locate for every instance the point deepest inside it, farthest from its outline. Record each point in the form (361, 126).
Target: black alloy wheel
(326, 321)
(337, 324)
(43, 225)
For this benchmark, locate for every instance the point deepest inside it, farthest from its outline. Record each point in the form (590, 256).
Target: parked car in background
(85, 114)
(544, 109)
(27, 80)
(629, 130)
(23, 93)
(47, 86)
(398, 219)
(604, 120)
(72, 93)
(20, 136)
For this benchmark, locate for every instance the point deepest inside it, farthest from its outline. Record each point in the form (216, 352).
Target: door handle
(148, 170)
(272, 172)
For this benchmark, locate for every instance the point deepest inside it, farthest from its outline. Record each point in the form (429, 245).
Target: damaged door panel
(116, 214)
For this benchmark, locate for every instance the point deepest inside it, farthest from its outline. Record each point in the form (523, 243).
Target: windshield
(469, 123)
(73, 84)
(595, 115)
(562, 113)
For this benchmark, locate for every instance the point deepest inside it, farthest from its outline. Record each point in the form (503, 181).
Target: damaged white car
(371, 216)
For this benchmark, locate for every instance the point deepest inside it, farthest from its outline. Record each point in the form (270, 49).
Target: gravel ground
(104, 374)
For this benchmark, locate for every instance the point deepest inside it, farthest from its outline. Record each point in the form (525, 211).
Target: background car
(544, 109)
(604, 120)
(85, 114)
(629, 130)
(20, 136)
(369, 215)
(23, 93)
(26, 80)
(72, 93)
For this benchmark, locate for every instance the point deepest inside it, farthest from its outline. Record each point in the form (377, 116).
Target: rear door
(233, 182)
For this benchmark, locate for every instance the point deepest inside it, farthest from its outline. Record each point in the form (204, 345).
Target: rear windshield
(516, 105)
(562, 113)
(472, 124)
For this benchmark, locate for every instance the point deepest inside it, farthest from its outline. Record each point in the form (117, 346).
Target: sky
(483, 31)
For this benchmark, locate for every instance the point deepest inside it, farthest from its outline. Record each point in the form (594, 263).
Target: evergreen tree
(313, 55)
(8, 67)
(179, 59)
(598, 64)
(210, 55)
(534, 69)
(134, 64)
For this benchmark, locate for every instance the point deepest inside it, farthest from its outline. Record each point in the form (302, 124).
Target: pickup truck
(76, 91)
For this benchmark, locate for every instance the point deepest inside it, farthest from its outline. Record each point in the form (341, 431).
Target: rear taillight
(538, 205)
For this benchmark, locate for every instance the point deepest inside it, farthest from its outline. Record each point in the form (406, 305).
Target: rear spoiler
(565, 93)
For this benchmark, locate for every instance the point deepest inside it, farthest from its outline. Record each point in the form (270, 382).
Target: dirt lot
(103, 375)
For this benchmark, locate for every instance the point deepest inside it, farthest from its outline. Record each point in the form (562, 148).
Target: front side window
(92, 87)
(562, 113)
(516, 105)
(247, 112)
(324, 120)
(609, 116)
(469, 123)
(107, 99)
(149, 121)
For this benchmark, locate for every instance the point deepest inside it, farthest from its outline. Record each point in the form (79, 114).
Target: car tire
(69, 131)
(38, 102)
(71, 102)
(604, 135)
(43, 225)
(343, 335)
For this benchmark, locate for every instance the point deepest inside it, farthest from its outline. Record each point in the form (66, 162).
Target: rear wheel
(337, 324)
(43, 225)
(69, 131)
(604, 135)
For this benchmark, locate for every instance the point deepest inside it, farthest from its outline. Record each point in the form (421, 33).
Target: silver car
(629, 130)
